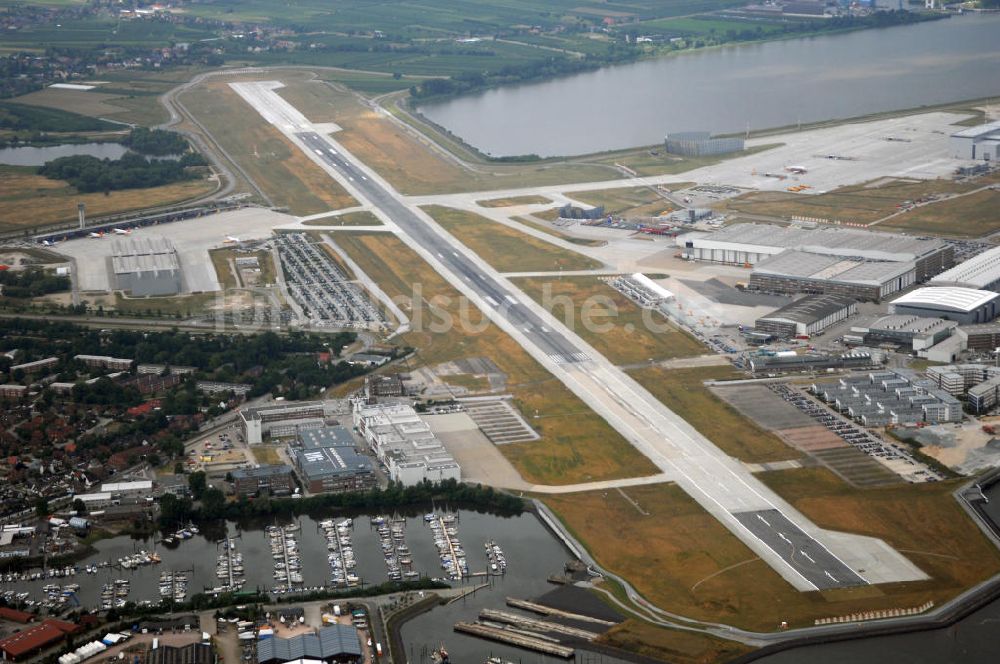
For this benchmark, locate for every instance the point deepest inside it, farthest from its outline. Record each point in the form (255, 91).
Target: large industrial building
(274, 479)
(281, 419)
(801, 272)
(701, 143)
(405, 444)
(331, 644)
(967, 306)
(327, 461)
(981, 271)
(146, 266)
(981, 338)
(838, 261)
(810, 315)
(979, 142)
(913, 331)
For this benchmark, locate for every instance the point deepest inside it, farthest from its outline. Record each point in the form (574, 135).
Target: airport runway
(806, 556)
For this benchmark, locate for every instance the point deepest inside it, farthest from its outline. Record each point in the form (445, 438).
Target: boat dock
(543, 610)
(534, 624)
(511, 637)
(449, 547)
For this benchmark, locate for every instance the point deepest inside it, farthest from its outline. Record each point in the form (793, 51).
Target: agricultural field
(709, 26)
(618, 328)
(684, 561)
(576, 444)
(862, 203)
(683, 391)
(505, 248)
(28, 200)
(278, 167)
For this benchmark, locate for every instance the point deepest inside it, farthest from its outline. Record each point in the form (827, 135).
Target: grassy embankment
(29, 200)
(576, 444)
(683, 560)
(618, 328)
(278, 167)
(507, 249)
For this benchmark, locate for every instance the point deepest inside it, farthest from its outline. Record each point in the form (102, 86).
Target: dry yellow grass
(618, 329)
(84, 102)
(507, 249)
(683, 560)
(510, 202)
(974, 215)
(360, 218)
(682, 391)
(278, 167)
(576, 445)
(672, 645)
(28, 200)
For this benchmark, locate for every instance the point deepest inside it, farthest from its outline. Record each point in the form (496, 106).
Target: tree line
(132, 171)
(156, 142)
(31, 283)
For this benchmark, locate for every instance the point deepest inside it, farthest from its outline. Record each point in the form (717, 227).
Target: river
(30, 156)
(727, 89)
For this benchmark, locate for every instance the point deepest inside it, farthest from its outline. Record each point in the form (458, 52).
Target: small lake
(31, 156)
(727, 89)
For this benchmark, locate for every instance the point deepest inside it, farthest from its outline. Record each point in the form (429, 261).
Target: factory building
(332, 644)
(981, 271)
(405, 444)
(966, 306)
(146, 266)
(136, 489)
(280, 419)
(980, 338)
(767, 364)
(979, 142)
(700, 144)
(748, 244)
(275, 480)
(810, 315)
(801, 272)
(327, 461)
(911, 331)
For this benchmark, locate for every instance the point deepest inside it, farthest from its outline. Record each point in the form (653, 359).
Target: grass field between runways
(616, 327)
(576, 445)
(683, 391)
(507, 249)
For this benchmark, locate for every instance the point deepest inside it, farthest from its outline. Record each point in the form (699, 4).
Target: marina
(497, 561)
(445, 530)
(229, 568)
(285, 556)
(173, 586)
(392, 539)
(341, 557)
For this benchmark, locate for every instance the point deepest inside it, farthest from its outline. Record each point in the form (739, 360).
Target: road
(719, 483)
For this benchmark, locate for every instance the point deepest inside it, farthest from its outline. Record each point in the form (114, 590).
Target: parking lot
(321, 288)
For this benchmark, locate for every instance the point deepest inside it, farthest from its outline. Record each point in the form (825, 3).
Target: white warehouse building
(405, 444)
(979, 142)
(980, 272)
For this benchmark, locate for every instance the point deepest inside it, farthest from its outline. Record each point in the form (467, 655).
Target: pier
(543, 610)
(515, 638)
(534, 624)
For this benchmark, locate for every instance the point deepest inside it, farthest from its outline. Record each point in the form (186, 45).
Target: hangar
(981, 271)
(146, 266)
(967, 306)
(979, 142)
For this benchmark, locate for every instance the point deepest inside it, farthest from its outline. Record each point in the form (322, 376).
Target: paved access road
(720, 484)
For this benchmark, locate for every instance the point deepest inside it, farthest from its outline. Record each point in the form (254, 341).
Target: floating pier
(514, 638)
(543, 610)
